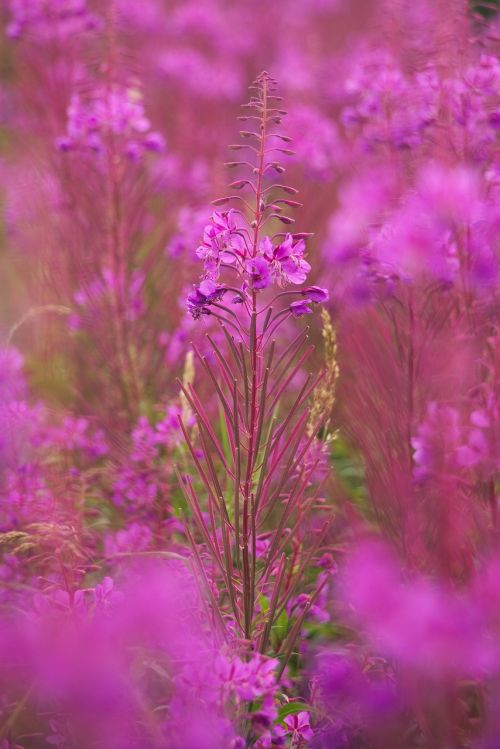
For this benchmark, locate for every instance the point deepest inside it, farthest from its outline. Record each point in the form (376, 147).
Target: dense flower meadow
(249, 374)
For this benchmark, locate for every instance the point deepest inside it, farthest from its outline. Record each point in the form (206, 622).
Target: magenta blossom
(316, 294)
(117, 115)
(259, 272)
(300, 308)
(251, 679)
(221, 243)
(298, 727)
(202, 296)
(286, 260)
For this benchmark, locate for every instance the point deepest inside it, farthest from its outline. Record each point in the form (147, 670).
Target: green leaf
(224, 436)
(279, 629)
(263, 603)
(292, 708)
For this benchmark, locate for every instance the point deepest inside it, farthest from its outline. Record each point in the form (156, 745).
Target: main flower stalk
(259, 541)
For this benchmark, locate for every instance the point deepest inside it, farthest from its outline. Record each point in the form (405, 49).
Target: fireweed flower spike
(252, 475)
(235, 241)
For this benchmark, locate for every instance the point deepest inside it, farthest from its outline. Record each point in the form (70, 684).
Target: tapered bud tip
(63, 144)
(300, 308)
(316, 294)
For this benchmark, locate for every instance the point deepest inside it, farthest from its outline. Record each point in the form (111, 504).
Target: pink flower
(298, 309)
(316, 294)
(251, 679)
(286, 260)
(117, 113)
(298, 727)
(431, 631)
(203, 296)
(50, 18)
(221, 243)
(260, 273)
(436, 440)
